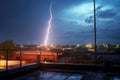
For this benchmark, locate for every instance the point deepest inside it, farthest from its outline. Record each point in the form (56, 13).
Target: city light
(10, 63)
(89, 45)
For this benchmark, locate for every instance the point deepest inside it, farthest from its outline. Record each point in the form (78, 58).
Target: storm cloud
(106, 14)
(89, 19)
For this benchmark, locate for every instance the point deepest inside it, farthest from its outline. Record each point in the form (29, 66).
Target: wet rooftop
(46, 75)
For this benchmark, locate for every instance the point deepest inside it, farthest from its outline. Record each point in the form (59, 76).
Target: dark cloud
(89, 19)
(106, 14)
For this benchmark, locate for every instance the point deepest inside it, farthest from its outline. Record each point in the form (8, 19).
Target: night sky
(25, 21)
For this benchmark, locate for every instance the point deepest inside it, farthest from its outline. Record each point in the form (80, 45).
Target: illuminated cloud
(78, 13)
(82, 14)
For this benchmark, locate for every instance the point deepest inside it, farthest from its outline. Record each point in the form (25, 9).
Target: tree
(9, 47)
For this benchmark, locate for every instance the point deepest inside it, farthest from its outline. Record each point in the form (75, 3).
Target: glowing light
(89, 45)
(38, 46)
(49, 26)
(10, 63)
(52, 45)
(78, 45)
(41, 45)
(45, 61)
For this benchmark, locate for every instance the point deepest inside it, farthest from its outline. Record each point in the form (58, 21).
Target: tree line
(8, 48)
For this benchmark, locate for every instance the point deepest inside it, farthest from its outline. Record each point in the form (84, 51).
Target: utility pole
(40, 55)
(20, 58)
(95, 47)
(7, 60)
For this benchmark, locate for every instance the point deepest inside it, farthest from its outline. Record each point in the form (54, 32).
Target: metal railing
(17, 59)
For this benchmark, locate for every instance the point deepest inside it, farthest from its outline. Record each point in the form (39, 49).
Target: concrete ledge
(92, 68)
(13, 73)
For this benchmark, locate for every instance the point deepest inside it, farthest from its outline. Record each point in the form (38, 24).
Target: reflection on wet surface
(115, 78)
(45, 75)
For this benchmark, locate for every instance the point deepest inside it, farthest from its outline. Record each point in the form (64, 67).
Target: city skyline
(25, 21)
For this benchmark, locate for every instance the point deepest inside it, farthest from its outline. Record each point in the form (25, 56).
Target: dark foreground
(46, 71)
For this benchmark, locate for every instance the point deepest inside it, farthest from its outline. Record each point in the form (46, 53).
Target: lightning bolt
(49, 26)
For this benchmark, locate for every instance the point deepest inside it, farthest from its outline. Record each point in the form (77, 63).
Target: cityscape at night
(59, 40)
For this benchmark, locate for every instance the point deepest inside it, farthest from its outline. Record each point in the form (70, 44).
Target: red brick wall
(33, 57)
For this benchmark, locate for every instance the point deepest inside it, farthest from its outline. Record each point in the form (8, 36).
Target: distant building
(33, 55)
